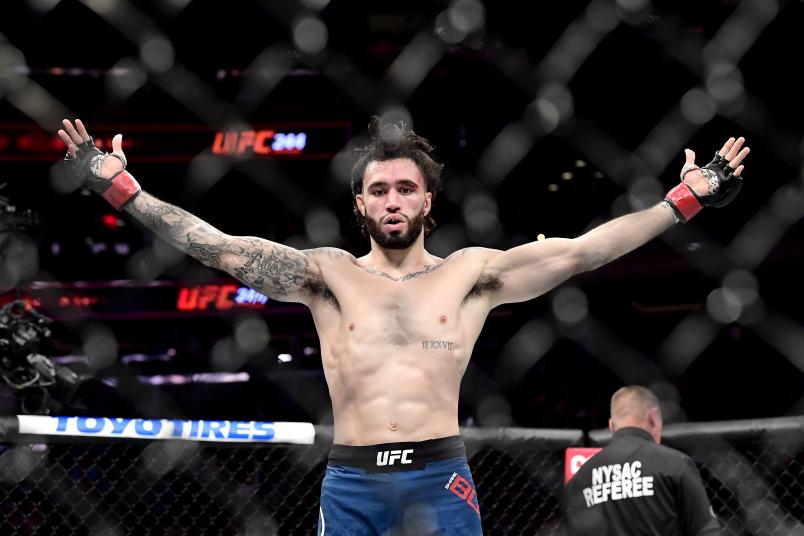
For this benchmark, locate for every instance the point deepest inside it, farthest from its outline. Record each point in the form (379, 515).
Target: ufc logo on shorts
(389, 457)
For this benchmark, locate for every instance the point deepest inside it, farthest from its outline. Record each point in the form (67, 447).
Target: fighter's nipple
(393, 425)
(351, 327)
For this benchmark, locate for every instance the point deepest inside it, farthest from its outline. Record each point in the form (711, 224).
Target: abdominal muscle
(394, 393)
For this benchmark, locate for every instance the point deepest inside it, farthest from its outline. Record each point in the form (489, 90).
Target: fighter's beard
(396, 239)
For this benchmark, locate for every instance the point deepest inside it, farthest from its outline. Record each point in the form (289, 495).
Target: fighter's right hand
(95, 170)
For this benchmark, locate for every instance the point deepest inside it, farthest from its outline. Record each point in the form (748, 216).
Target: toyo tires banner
(214, 430)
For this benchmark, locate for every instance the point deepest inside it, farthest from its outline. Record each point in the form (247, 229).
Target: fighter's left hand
(719, 181)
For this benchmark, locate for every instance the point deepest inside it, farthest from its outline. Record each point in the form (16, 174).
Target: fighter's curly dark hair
(393, 140)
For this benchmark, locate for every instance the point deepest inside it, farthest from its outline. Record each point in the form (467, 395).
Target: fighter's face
(394, 202)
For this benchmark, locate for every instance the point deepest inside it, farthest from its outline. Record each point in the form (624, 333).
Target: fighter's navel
(443, 319)
(393, 425)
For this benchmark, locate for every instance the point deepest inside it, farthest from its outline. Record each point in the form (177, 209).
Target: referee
(635, 486)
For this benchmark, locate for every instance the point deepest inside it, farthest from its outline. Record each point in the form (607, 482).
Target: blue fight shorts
(394, 489)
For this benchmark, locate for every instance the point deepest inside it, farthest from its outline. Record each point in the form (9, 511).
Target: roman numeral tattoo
(437, 345)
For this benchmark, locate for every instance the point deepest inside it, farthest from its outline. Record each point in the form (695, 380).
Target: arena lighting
(77, 301)
(144, 358)
(183, 142)
(118, 299)
(111, 221)
(258, 142)
(201, 377)
(185, 379)
(218, 297)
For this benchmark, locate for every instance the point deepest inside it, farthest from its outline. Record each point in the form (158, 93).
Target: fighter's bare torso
(397, 326)
(395, 345)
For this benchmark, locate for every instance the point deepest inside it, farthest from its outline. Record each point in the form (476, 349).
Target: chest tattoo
(413, 275)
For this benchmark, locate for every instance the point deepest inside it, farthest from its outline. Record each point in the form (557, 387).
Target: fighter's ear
(361, 206)
(428, 202)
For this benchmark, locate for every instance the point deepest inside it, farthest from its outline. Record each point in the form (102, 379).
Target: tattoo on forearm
(413, 275)
(263, 266)
(156, 215)
(437, 345)
(179, 227)
(206, 253)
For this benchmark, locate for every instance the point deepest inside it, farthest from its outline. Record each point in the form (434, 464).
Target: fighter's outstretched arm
(532, 269)
(278, 271)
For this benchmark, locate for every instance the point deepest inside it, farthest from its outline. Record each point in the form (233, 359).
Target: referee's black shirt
(635, 486)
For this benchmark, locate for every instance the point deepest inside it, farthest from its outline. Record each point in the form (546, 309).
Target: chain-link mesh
(756, 487)
(160, 488)
(546, 123)
(519, 476)
(584, 107)
(518, 488)
(755, 482)
(754, 477)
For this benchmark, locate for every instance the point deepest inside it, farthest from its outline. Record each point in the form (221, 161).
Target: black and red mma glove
(119, 189)
(724, 186)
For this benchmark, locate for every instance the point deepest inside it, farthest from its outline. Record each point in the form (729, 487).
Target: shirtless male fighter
(397, 326)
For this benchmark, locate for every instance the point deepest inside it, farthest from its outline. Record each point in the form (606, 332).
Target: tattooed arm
(281, 272)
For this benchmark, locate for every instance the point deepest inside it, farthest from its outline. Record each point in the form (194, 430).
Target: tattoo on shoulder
(413, 275)
(282, 272)
(275, 269)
